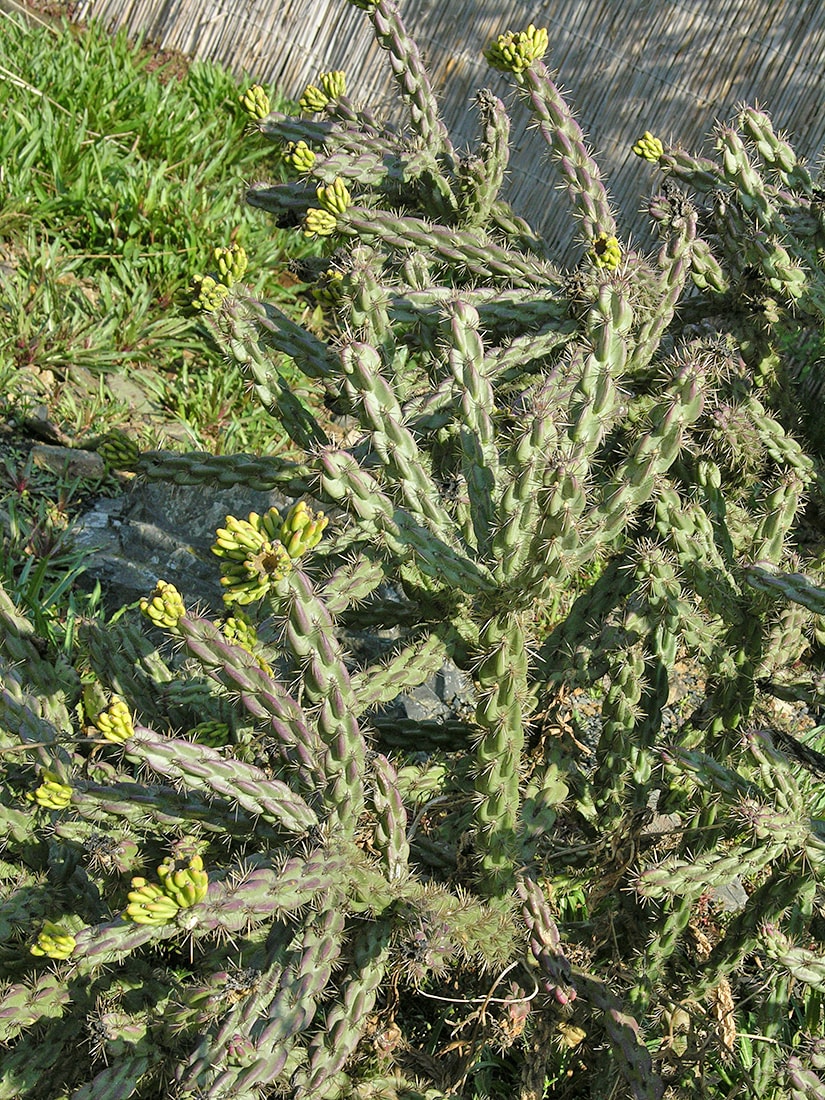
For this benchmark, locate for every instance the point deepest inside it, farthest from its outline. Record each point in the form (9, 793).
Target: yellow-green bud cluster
(185, 885)
(240, 630)
(313, 99)
(649, 148)
(118, 451)
(115, 722)
(149, 904)
(255, 102)
(302, 529)
(207, 293)
(319, 223)
(515, 52)
(334, 197)
(333, 83)
(52, 794)
(232, 263)
(329, 287)
(54, 942)
(605, 252)
(254, 558)
(299, 156)
(164, 608)
(214, 734)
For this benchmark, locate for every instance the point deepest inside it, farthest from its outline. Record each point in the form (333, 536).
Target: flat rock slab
(162, 532)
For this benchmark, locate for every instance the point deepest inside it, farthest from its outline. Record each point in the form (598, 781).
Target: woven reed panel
(625, 66)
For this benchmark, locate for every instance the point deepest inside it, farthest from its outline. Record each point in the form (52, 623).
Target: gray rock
(162, 532)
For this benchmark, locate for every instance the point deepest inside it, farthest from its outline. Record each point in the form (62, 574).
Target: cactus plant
(226, 820)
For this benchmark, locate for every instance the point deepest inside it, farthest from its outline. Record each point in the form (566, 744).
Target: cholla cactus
(54, 942)
(254, 560)
(208, 293)
(115, 722)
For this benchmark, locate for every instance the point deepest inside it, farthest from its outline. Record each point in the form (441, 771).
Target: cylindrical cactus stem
(765, 577)
(481, 176)
(310, 354)
(351, 584)
(501, 713)
(705, 270)
(677, 219)
(620, 712)
(343, 481)
(264, 698)
(392, 441)
(407, 669)
(260, 473)
(281, 1007)
(309, 636)
(24, 1004)
(545, 942)
(741, 175)
(289, 129)
(649, 966)
(391, 819)
(780, 508)
(122, 1078)
(806, 966)
(200, 768)
(561, 131)
(412, 79)
(366, 302)
(479, 453)
(775, 153)
(470, 251)
(701, 173)
(238, 331)
(345, 1021)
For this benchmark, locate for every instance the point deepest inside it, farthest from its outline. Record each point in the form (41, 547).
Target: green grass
(117, 182)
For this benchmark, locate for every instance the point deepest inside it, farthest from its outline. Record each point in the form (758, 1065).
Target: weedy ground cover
(221, 878)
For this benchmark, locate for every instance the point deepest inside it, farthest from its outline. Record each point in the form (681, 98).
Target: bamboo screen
(625, 65)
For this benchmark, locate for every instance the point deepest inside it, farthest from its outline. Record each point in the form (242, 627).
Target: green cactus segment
(23, 1004)
(344, 1024)
(343, 481)
(579, 171)
(351, 584)
(408, 669)
(261, 474)
(805, 966)
(413, 80)
(479, 452)
(775, 153)
(261, 696)
(393, 442)
(391, 820)
(764, 577)
(118, 450)
(468, 249)
(482, 175)
(618, 743)
(310, 638)
(199, 768)
(501, 713)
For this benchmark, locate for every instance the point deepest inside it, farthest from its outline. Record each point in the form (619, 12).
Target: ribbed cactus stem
(561, 131)
(309, 636)
(620, 714)
(256, 472)
(391, 819)
(469, 250)
(482, 175)
(501, 713)
(412, 79)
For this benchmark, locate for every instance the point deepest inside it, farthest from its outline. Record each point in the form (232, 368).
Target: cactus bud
(605, 252)
(232, 263)
(148, 904)
(255, 560)
(313, 99)
(255, 102)
(54, 942)
(333, 83)
(186, 885)
(164, 608)
(649, 147)
(115, 722)
(319, 223)
(299, 155)
(207, 293)
(515, 52)
(52, 794)
(302, 529)
(118, 451)
(334, 197)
